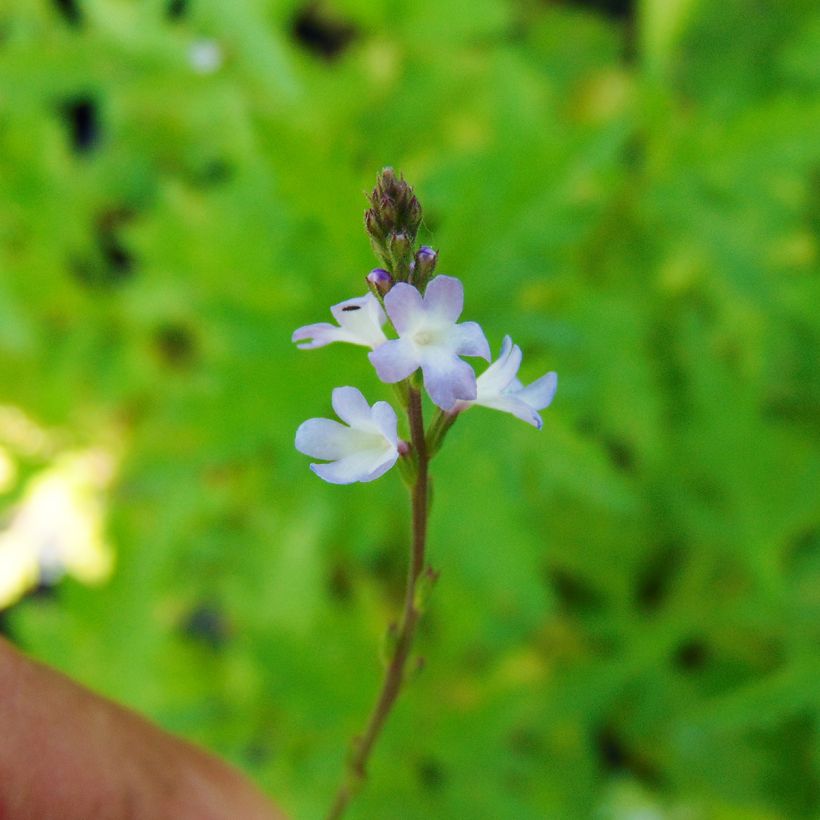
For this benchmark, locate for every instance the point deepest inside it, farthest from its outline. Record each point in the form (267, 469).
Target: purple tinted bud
(425, 264)
(426, 255)
(380, 280)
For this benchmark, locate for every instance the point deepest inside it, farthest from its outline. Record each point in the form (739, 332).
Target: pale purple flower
(360, 323)
(498, 388)
(429, 338)
(361, 451)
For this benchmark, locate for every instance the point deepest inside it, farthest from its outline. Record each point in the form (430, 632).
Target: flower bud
(380, 281)
(424, 264)
(394, 209)
(400, 245)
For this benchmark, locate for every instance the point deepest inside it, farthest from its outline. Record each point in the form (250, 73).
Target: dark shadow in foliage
(526, 741)
(620, 453)
(387, 566)
(176, 9)
(211, 173)
(175, 344)
(575, 595)
(431, 774)
(616, 9)
(691, 655)
(656, 577)
(5, 626)
(801, 554)
(616, 757)
(69, 10)
(206, 624)
(257, 753)
(340, 584)
(82, 121)
(113, 263)
(321, 34)
(622, 11)
(118, 260)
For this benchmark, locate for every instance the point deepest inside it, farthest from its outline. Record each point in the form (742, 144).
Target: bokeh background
(626, 624)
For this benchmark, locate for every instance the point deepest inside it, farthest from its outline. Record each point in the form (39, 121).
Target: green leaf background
(626, 623)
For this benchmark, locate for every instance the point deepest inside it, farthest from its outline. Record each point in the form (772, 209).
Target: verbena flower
(360, 323)
(362, 451)
(498, 388)
(429, 338)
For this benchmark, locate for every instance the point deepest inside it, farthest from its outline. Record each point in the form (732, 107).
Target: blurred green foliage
(627, 616)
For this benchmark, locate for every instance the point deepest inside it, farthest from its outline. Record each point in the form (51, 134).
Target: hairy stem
(394, 676)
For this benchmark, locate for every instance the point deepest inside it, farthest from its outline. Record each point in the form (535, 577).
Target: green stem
(394, 676)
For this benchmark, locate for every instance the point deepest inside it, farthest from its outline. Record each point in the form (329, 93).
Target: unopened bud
(424, 265)
(394, 208)
(399, 245)
(380, 280)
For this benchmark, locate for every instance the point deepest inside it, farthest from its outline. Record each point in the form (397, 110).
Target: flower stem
(394, 676)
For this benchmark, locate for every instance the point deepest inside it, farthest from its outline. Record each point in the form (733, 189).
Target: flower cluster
(422, 310)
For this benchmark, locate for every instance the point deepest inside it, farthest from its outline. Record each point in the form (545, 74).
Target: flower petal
(403, 304)
(319, 335)
(388, 460)
(325, 438)
(510, 403)
(448, 379)
(501, 373)
(396, 359)
(540, 393)
(351, 407)
(363, 466)
(470, 340)
(385, 419)
(362, 318)
(444, 299)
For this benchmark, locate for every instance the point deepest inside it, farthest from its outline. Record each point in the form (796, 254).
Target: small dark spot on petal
(348, 308)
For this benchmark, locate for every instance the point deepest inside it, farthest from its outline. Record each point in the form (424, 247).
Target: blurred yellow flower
(57, 527)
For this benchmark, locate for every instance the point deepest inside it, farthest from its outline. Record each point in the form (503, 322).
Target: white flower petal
(444, 298)
(351, 407)
(325, 438)
(448, 379)
(361, 452)
(364, 466)
(387, 461)
(404, 307)
(319, 335)
(396, 359)
(510, 403)
(540, 393)
(360, 323)
(363, 318)
(385, 420)
(470, 340)
(500, 375)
